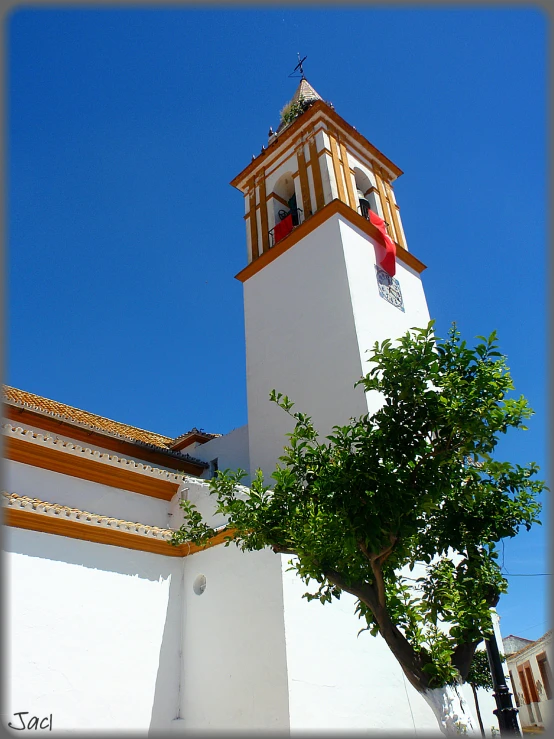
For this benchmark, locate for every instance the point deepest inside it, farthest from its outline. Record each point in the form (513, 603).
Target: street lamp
(505, 711)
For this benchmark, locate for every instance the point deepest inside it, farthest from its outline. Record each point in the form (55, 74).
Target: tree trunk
(451, 710)
(478, 709)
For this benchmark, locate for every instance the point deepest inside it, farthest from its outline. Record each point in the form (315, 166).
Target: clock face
(389, 288)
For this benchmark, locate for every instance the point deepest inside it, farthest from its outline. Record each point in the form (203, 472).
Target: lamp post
(505, 711)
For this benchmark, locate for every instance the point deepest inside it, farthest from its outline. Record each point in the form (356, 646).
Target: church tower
(328, 274)
(328, 271)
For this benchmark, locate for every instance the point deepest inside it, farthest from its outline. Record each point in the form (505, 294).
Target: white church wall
(230, 450)
(234, 664)
(92, 633)
(55, 487)
(315, 328)
(375, 318)
(338, 681)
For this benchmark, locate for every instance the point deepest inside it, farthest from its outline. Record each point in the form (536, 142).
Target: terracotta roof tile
(42, 506)
(69, 413)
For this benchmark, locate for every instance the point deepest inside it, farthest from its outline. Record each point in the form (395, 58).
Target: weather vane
(299, 67)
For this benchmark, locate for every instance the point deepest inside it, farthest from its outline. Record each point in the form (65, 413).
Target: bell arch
(365, 193)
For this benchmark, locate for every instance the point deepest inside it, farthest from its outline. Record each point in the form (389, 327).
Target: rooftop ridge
(533, 642)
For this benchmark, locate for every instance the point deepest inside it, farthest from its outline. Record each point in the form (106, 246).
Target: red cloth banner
(283, 228)
(388, 262)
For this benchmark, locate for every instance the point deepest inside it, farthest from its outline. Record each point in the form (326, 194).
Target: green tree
(479, 676)
(403, 508)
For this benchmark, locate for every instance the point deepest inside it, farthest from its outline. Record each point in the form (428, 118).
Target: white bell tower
(328, 273)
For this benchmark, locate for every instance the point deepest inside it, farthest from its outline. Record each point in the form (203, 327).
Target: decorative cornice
(318, 109)
(35, 449)
(35, 505)
(110, 434)
(86, 452)
(336, 206)
(23, 512)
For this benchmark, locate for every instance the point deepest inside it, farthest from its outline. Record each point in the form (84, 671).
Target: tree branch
(463, 656)
(382, 556)
(374, 598)
(379, 581)
(278, 549)
(396, 641)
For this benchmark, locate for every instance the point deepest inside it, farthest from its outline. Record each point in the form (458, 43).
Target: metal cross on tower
(299, 67)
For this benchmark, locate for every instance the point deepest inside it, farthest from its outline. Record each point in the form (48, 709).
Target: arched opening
(365, 193)
(284, 199)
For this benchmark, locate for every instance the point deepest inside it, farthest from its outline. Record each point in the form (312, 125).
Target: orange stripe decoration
(58, 526)
(334, 207)
(37, 455)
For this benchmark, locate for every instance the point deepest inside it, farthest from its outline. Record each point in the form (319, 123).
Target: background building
(529, 664)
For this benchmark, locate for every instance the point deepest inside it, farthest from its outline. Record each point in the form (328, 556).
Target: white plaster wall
(231, 450)
(301, 341)
(341, 682)
(375, 318)
(234, 665)
(92, 633)
(198, 492)
(330, 187)
(310, 317)
(56, 487)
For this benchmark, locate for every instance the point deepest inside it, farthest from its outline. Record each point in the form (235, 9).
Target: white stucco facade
(331, 316)
(94, 633)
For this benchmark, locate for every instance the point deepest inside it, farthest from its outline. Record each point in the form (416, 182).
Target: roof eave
(318, 105)
(103, 432)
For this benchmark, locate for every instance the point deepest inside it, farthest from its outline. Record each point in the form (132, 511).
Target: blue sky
(124, 236)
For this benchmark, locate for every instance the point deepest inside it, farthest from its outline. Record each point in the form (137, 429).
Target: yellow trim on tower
(307, 206)
(382, 195)
(393, 210)
(263, 214)
(347, 177)
(336, 167)
(318, 113)
(277, 197)
(253, 222)
(401, 234)
(316, 174)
